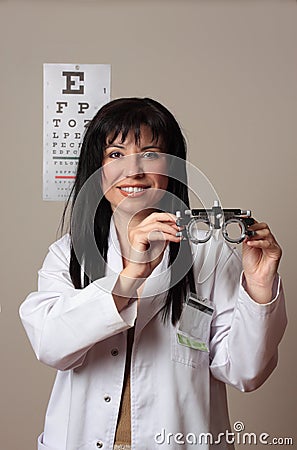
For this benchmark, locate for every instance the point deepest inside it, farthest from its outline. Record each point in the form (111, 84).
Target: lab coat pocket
(182, 353)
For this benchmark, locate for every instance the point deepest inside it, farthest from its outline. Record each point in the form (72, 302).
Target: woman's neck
(123, 221)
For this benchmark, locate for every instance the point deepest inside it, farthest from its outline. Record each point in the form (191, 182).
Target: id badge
(194, 326)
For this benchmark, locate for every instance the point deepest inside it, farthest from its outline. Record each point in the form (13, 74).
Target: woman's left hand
(260, 258)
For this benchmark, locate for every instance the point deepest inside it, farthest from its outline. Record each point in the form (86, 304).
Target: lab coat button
(99, 444)
(114, 352)
(107, 398)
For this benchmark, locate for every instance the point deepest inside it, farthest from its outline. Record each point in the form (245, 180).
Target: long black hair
(118, 118)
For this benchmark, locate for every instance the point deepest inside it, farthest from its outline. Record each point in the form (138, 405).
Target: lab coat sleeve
(245, 334)
(63, 323)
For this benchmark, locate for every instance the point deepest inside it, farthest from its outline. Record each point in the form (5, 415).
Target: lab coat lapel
(156, 286)
(114, 256)
(154, 293)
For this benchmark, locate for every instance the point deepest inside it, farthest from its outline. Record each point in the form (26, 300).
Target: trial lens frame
(215, 218)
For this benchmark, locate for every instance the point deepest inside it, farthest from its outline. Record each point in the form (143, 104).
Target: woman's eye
(150, 155)
(115, 155)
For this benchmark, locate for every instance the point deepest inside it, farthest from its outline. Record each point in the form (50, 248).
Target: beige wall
(228, 70)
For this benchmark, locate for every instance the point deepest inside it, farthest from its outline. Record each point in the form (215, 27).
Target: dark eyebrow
(114, 145)
(143, 149)
(147, 147)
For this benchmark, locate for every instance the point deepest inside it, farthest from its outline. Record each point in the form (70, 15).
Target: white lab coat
(177, 393)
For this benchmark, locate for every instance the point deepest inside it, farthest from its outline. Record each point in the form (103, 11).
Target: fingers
(159, 223)
(161, 226)
(260, 243)
(258, 226)
(157, 231)
(260, 231)
(160, 217)
(148, 241)
(262, 238)
(157, 235)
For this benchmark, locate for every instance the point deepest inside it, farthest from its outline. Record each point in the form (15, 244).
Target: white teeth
(131, 189)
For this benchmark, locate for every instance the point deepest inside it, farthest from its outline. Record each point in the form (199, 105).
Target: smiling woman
(129, 141)
(134, 170)
(105, 323)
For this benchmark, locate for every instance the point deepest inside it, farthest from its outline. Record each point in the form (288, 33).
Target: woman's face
(134, 176)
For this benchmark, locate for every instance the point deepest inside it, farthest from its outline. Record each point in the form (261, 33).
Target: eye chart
(73, 93)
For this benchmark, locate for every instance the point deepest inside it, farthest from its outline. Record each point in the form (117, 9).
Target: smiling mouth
(132, 190)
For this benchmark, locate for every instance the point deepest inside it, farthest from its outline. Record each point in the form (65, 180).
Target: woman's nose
(133, 165)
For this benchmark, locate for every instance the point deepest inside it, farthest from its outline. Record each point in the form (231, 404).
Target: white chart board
(73, 93)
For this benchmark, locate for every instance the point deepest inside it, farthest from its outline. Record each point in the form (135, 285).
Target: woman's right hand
(147, 242)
